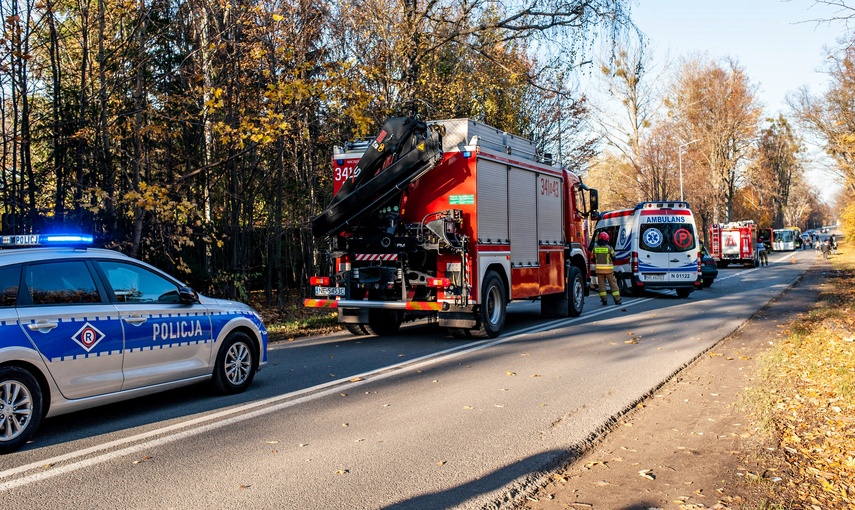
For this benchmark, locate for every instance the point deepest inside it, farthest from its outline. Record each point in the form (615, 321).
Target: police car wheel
(20, 408)
(236, 364)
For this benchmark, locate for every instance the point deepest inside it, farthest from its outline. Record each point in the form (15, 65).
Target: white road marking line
(275, 404)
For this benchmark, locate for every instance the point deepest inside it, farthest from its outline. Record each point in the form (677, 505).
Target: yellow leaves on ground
(809, 385)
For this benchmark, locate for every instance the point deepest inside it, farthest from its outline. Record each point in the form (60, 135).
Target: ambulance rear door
(668, 248)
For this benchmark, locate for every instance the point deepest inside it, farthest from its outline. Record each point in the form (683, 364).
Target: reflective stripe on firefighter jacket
(604, 257)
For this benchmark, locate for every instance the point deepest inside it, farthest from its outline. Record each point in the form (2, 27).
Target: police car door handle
(42, 326)
(135, 320)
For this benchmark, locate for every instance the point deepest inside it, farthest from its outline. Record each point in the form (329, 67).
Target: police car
(82, 327)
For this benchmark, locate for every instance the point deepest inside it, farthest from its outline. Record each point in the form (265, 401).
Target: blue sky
(774, 40)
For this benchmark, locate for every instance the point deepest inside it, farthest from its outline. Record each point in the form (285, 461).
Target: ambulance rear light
(319, 280)
(438, 282)
(633, 261)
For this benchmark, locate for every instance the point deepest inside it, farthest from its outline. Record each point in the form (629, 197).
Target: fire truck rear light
(438, 282)
(319, 280)
(344, 263)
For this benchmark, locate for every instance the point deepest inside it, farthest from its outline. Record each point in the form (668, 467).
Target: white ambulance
(656, 247)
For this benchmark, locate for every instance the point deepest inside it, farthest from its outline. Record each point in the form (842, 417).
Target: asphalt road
(414, 421)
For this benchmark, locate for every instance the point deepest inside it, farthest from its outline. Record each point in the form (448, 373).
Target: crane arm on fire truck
(412, 147)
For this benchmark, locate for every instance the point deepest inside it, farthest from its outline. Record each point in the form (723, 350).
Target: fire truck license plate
(329, 291)
(655, 277)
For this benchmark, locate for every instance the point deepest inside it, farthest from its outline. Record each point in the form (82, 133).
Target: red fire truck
(450, 219)
(734, 243)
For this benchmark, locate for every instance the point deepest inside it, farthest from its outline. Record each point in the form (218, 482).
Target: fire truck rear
(451, 220)
(734, 243)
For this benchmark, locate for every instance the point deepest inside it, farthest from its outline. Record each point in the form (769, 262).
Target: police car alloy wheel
(236, 364)
(20, 407)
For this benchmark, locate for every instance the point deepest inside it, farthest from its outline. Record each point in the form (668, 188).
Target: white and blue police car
(82, 327)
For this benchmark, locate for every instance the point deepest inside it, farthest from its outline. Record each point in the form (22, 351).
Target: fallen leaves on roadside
(144, 459)
(509, 373)
(631, 341)
(356, 379)
(647, 473)
(806, 392)
(342, 471)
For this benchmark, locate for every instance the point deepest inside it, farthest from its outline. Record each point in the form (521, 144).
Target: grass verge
(806, 397)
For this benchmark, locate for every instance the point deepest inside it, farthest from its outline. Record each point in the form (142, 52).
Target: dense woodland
(198, 135)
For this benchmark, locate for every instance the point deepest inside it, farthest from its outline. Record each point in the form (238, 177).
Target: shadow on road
(505, 477)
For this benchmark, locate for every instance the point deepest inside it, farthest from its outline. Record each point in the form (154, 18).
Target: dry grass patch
(806, 396)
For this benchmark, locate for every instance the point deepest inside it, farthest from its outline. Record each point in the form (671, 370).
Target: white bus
(785, 239)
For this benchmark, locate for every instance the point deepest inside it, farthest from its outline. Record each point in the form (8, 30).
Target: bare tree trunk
(139, 108)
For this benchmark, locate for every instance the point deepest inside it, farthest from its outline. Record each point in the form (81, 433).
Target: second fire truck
(734, 243)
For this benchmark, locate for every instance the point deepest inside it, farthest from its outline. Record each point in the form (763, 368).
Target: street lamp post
(680, 159)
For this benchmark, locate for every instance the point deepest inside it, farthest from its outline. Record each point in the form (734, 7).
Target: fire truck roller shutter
(549, 210)
(492, 210)
(522, 206)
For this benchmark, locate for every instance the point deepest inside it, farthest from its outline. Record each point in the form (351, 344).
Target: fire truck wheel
(356, 329)
(383, 322)
(491, 313)
(459, 333)
(576, 289)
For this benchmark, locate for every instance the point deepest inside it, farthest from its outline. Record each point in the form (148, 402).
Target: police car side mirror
(187, 296)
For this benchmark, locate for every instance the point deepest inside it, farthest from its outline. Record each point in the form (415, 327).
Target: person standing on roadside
(604, 255)
(762, 254)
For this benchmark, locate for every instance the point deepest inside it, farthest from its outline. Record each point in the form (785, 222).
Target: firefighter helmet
(604, 236)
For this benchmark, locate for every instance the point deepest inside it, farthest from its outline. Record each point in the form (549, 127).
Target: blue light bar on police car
(46, 240)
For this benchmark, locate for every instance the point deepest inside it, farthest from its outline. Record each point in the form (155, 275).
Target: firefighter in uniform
(604, 255)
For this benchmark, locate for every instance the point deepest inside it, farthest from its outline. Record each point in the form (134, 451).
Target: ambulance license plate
(655, 277)
(329, 291)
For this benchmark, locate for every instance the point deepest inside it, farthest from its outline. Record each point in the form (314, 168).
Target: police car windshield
(667, 237)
